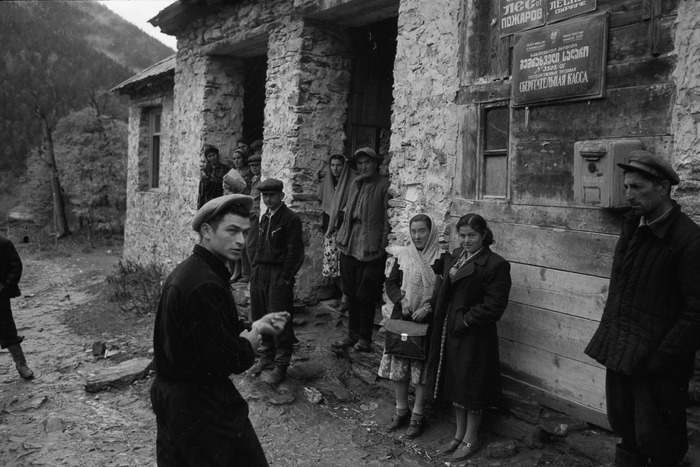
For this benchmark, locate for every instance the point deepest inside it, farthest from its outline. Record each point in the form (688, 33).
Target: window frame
(154, 135)
(483, 153)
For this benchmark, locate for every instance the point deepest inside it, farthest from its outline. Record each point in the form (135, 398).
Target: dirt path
(328, 413)
(51, 420)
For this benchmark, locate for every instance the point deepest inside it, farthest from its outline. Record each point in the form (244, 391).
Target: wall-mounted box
(598, 181)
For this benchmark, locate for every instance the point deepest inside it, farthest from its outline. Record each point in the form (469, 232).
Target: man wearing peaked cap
(362, 240)
(278, 256)
(198, 341)
(650, 328)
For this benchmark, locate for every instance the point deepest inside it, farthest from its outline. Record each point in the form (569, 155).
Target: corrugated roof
(166, 65)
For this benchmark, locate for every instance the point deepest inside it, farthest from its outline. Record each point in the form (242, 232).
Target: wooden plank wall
(561, 254)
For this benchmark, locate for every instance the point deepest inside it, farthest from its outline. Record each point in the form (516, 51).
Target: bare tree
(48, 120)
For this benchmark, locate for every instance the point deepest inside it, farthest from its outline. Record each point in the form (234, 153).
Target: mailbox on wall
(598, 181)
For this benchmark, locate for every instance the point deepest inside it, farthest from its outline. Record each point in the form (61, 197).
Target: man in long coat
(10, 273)
(650, 328)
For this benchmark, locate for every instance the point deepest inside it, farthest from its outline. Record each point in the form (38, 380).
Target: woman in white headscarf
(411, 287)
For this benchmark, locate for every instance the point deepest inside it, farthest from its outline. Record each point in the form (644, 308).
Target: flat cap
(213, 207)
(271, 185)
(254, 159)
(648, 163)
(366, 151)
(256, 145)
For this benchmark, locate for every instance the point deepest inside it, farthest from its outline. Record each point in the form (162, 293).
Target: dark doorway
(254, 98)
(370, 98)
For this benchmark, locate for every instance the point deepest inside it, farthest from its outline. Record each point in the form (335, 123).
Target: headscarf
(338, 197)
(418, 276)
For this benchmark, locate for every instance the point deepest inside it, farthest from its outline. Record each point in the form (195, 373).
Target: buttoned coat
(464, 365)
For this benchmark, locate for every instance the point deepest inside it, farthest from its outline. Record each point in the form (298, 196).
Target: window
(495, 130)
(154, 132)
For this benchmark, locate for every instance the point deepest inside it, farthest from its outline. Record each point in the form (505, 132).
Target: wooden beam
(351, 13)
(571, 380)
(567, 250)
(569, 293)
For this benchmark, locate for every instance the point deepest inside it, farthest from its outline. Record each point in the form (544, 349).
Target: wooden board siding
(561, 254)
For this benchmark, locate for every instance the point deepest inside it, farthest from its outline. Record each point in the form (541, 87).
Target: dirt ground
(328, 413)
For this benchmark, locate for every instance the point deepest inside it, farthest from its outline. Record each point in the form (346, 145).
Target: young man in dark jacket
(198, 341)
(10, 273)
(278, 257)
(650, 328)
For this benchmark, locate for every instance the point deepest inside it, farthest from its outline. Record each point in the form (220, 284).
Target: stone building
(474, 114)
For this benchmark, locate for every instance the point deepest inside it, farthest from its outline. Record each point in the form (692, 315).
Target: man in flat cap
(199, 340)
(650, 328)
(278, 257)
(362, 239)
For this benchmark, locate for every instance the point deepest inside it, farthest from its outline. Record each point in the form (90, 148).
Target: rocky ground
(329, 412)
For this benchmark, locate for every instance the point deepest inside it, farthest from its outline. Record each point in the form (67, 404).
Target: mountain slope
(55, 54)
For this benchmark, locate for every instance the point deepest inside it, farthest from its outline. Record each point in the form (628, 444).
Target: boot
(20, 361)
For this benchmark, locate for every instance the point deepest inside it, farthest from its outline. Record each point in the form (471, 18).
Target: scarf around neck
(418, 276)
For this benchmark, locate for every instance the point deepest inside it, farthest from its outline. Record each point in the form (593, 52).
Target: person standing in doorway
(10, 274)
(198, 341)
(362, 240)
(254, 163)
(333, 194)
(650, 328)
(278, 257)
(212, 173)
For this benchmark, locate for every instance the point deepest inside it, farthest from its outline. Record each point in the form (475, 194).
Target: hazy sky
(138, 12)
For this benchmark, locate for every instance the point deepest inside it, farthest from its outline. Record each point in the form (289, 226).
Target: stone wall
(686, 122)
(308, 81)
(425, 124)
(148, 210)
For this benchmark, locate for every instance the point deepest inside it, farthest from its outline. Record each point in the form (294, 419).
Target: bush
(136, 288)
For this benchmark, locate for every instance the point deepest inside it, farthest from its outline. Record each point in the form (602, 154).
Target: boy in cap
(650, 328)
(199, 340)
(278, 257)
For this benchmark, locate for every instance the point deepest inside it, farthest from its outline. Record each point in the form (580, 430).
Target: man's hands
(270, 324)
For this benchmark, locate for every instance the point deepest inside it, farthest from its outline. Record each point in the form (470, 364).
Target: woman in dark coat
(464, 367)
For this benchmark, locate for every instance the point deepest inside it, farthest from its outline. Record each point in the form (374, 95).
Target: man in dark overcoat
(278, 256)
(198, 341)
(650, 328)
(10, 273)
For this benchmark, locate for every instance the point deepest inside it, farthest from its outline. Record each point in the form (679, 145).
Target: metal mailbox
(598, 181)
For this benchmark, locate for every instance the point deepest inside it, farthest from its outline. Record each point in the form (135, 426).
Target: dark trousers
(649, 414)
(8, 330)
(362, 283)
(269, 293)
(203, 424)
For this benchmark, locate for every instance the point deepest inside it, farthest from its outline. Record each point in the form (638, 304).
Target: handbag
(406, 339)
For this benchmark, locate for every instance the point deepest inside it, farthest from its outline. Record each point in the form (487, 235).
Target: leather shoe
(261, 365)
(398, 421)
(466, 450)
(346, 342)
(276, 376)
(416, 428)
(363, 346)
(451, 447)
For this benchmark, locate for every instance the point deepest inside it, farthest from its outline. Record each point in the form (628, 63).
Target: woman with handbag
(410, 286)
(465, 367)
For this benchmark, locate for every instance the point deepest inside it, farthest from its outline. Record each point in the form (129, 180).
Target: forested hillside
(57, 57)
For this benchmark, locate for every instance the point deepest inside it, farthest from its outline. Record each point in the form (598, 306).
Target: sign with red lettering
(557, 10)
(562, 61)
(519, 15)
